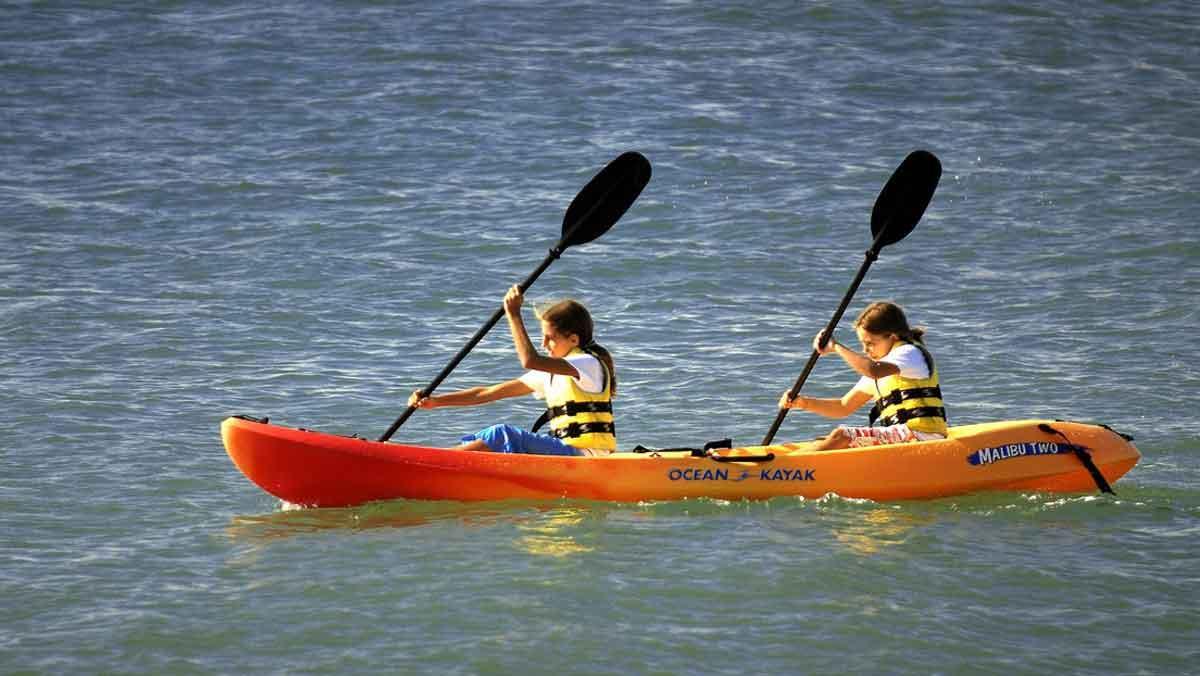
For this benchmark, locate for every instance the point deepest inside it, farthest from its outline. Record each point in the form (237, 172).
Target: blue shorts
(509, 439)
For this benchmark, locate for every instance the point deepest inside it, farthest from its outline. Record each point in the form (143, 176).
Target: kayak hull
(316, 469)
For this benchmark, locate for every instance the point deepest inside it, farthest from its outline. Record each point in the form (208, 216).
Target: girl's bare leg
(837, 439)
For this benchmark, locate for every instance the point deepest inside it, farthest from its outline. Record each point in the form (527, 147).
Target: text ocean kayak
(325, 470)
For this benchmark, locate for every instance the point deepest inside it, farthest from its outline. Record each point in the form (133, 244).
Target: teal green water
(304, 211)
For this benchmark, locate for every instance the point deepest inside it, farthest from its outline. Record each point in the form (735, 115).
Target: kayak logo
(788, 475)
(987, 456)
(675, 474)
(722, 474)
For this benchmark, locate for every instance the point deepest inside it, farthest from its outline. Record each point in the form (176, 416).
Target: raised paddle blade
(605, 199)
(904, 198)
(899, 206)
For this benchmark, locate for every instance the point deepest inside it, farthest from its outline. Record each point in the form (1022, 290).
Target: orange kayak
(325, 470)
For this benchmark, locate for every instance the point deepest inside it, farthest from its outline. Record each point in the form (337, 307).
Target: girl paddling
(577, 379)
(896, 371)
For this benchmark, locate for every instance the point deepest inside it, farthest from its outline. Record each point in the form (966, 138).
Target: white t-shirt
(591, 376)
(907, 357)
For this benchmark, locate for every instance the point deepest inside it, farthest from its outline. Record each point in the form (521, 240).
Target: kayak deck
(325, 470)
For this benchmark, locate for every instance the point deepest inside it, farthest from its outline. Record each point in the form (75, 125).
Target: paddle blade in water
(904, 198)
(605, 199)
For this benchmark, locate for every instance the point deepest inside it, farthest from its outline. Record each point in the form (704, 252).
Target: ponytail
(610, 369)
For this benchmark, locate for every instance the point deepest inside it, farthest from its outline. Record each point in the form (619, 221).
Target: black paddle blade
(605, 199)
(904, 198)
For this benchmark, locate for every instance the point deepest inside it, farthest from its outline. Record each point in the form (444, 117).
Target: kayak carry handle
(743, 458)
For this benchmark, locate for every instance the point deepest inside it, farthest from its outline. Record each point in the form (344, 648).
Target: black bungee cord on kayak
(709, 451)
(1084, 456)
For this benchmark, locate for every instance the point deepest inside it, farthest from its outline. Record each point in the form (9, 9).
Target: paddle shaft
(868, 258)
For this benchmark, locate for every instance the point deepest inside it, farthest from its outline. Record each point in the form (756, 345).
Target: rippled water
(304, 211)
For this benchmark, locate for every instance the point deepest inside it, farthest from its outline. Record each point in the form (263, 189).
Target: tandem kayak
(316, 469)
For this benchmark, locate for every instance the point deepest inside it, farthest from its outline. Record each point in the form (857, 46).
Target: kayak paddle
(594, 210)
(897, 210)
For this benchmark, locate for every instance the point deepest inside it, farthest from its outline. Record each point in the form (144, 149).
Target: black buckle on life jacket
(571, 408)
(906, 414)
(900, 396)
(577, 407)
(579, 429)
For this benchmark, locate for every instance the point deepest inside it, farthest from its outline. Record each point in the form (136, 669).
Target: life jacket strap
(542, 420)
(906, 414)
(576, 429)
(572, 408)
(577, 407)
(899, 396)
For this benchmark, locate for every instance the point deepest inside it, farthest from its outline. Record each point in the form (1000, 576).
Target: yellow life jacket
(581, 419)
(914, 401)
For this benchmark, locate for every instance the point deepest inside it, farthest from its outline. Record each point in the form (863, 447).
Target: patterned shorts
(861, 437)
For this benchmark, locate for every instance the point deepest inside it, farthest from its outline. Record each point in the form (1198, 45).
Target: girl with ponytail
(576, 377)
(896, 371)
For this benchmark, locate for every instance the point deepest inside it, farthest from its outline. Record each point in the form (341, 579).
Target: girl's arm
(526, 353)
(472, 396)
(829, 408)
(861, 363)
